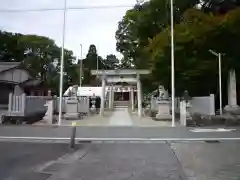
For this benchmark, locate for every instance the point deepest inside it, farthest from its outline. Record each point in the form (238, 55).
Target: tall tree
(38, 54)
(196, 69)
(219, 6)
(111, 62)
(10, 49)
(91, 62)
(143, 22)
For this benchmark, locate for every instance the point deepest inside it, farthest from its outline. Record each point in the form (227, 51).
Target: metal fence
(83, 105)
(23, 105)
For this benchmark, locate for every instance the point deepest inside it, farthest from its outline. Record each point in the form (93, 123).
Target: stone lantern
(187, 98)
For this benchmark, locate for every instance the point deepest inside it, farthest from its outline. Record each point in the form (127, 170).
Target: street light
(172, 65)
(81, 67)
(219, 55)
(97, 68)
(61, 63)
(97, 64)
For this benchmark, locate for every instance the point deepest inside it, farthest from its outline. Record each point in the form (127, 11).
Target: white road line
(121, 139)
(211, 130)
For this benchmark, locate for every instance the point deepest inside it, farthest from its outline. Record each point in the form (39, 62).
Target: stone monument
(232, 94)
(163, 104)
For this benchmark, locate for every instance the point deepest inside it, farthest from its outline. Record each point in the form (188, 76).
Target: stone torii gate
(111, 77)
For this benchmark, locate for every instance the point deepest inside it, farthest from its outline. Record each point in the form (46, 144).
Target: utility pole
(219, 55)
(62, 63)
(172, 64)
(81, 69)
(220, 81)
(97, 70)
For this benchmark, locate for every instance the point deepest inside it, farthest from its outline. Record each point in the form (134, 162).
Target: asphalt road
(165, 133)
(205, 161)
(18, 160)
(120, 161)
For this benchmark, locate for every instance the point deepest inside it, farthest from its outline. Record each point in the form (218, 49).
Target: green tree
(40, 55)
(10, 50)
(142, 23)
(196, 69)
(219, 6)
(111, 62)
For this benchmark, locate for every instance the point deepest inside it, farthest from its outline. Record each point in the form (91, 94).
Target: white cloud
(89, 26)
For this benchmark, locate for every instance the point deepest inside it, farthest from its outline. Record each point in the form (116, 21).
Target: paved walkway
(111, 162)
(117, 117)
(121, 117)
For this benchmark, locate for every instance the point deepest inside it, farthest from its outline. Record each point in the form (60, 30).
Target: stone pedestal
(71, 108)
(163, 110)
(235, 109)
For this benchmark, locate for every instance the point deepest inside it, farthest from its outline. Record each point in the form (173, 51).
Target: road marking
(74, 123)
(119, 139)
(212, 130)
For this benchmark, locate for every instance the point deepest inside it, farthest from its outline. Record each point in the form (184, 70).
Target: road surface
(134, 133)
(120, 161)
(18, 160)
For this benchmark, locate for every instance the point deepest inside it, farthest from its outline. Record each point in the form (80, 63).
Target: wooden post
(73, 135)
(10, 102)
(23, 103)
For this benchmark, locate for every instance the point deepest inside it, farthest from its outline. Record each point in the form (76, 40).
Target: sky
(85, 26)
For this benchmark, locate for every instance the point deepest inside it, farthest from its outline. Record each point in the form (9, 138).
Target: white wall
(203, 105)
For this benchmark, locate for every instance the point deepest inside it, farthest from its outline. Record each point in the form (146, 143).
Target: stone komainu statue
(163, 94)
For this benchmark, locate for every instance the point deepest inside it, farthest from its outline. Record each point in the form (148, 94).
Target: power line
(61, 9)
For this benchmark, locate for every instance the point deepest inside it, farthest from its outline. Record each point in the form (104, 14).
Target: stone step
(121, 103)
(120, 106)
